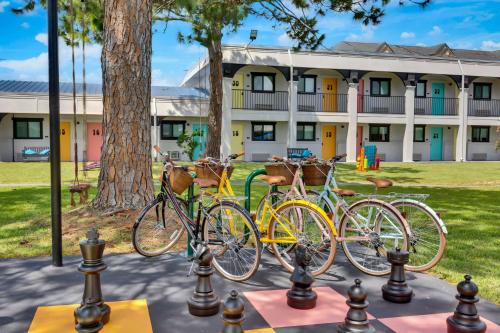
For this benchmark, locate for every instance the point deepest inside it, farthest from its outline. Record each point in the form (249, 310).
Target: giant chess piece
(92, 265)
(465, 318)
(301, 296)
(396, 290)
(233, 313)
(204, 302)
(88, 319)
(356, 320)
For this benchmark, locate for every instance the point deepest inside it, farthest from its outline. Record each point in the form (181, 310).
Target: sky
(460, 23)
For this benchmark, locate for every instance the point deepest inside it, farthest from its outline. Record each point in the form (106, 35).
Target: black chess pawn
(92, 265)
(396, 290)
(204, 302)
(88, 319)
(233, 313)
(465, 318)
(301, 296)
(356, 320)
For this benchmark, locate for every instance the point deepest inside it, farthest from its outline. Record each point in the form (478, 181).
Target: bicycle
(366, 229)
(223, 225)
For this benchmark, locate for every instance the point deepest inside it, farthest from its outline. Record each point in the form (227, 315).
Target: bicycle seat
(344, 192)
(379, 182)
(206, 182)
(273, 180)
(202, 161)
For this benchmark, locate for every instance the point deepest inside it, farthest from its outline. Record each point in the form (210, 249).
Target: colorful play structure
(368, 158)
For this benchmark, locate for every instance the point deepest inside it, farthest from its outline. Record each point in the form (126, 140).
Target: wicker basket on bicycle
(284, 169)
(212, 171)
(315, 173)
(180, 179)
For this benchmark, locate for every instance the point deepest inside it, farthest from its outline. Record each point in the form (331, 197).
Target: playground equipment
(368, 158)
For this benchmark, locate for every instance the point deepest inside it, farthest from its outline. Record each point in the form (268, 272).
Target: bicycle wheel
(233, 239)
(276, 198)
(368, 229)
(427, 237)
(158, 227)
(303, 223)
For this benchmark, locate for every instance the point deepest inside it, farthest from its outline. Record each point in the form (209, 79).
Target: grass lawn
(467, 195)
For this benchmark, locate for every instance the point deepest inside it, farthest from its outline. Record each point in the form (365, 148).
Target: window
(25, 128)
(263, 82)
(379, 133)
(380, 87)
(263, 131)
(307, 84)
(306, 131)
(421, 89)
(482, 90)
(480, 134)
(171, 130)
(419, 133)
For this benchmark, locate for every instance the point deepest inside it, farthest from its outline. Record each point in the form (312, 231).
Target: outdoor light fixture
(253, 35)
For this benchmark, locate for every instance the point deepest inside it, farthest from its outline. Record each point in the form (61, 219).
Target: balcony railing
(484, 107)
(436, 106)
(381, 104)
(322, 102)
(250, 100)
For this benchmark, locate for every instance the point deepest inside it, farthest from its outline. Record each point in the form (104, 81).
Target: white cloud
(160, 79)
(367, 33)
(405, 34)
(42, 38)
(25, 25)
(489, 45)
(284, 40)
(421, 44)
(436, 30)
(3, 4)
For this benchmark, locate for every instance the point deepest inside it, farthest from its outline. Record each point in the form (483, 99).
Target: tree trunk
(215, 106)
(125, 179)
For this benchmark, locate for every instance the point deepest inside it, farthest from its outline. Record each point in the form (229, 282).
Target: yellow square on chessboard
(126, 316)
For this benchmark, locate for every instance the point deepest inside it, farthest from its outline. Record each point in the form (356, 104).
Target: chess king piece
(233, 313)
(88, 319)
(204, 302)
(356, 320)
(396, 290)
(91, 266)
(301, 296)
(465, 318)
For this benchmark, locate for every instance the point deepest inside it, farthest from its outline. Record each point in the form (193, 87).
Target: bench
(297, 153)
(36, 153)
(82, 189)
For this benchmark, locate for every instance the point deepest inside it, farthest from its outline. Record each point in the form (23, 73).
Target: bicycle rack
(248, 186)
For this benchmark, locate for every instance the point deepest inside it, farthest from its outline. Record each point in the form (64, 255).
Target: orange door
(329, 94)
(94, 141)
(65, 140)
(359, 140)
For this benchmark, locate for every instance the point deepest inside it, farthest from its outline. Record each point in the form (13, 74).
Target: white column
(410, 122)
(292, 111)
(225, 147)
(461, 143)
(352, 111)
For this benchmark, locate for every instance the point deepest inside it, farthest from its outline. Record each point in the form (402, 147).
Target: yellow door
(65, 137)
(237, 139)
(237, 88)
(329, 94)
(328, 142)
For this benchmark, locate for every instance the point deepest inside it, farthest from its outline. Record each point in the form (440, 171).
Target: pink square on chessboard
(272, 306)
(435, 323)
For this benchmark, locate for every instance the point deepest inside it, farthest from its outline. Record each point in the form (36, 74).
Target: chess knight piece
(92, 265)
(396, 290)
(301, 296)
(356, 320)
(465, 318)
(233, 313)
(204, 302)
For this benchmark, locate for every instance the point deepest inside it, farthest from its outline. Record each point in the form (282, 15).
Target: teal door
(436, 144)
(199, 150)
(438, 98)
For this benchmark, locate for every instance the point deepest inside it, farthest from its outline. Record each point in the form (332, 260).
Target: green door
(200, 148)
(436, 144)
(438, 98)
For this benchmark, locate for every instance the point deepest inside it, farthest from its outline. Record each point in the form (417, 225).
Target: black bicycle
(221, 224)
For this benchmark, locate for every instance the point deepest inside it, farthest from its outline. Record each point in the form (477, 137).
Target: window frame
(380, 79)
(171, 122)
(425, 88)
(473, 139)
(263, 123)
(388, 126)
(273, 76)
(415, 131)
(27, 120)
(306, 124)
(482, 84)
(315, 77)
